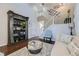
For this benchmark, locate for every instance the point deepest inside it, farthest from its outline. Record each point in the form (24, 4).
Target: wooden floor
(13, 47)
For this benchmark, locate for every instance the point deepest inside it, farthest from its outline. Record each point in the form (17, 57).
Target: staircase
(50, 15)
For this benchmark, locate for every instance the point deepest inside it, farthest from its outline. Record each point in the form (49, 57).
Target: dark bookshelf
(17, 28)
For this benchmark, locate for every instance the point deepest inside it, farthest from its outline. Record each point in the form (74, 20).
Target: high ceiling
(44, 7)
(49, 10)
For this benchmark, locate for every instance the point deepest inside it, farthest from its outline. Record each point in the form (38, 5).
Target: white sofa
(61, 48)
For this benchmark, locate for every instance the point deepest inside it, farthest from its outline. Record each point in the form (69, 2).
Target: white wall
(59, 29)
(76, 19)
(22, 9)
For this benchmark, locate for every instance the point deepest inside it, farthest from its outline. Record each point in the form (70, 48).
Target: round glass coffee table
(35, 45)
